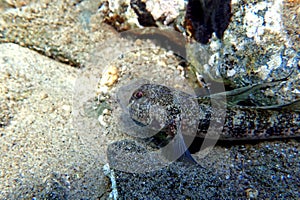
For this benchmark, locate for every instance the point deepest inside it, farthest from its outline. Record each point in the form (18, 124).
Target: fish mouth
(138, 123)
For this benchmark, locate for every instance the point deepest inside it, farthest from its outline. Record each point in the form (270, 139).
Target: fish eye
(138, 94)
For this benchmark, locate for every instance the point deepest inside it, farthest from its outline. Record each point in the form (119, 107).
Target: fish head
(159, 108)
(153, 105)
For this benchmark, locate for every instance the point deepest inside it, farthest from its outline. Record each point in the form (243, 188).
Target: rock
(144, 16)
(165, 11)
(129, 14)
(256, 47)
(64, 30)
(72, 34)
(119, 14)
(41, 153)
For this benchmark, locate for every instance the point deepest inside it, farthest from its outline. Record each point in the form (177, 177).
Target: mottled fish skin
(241, 122)
(160, 108)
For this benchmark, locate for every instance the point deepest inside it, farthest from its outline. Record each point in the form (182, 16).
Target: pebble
(101, 121)
(17, 3)
(251, 193)
(66, 108)
(110, 76)
(43, 95)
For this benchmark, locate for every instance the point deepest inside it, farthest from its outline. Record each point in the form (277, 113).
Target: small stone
(138, 42)
(43, 95)
(5, 114)
(231, 73)
(103, 89)
(44, 109)
(110, 76)
(105, 111)
(251, 193)
(18, 3)
(66, 108)
(101, 121)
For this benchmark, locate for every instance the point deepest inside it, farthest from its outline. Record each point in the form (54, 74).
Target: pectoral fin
(181, 149)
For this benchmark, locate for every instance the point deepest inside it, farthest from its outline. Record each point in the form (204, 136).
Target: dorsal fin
(292, 106)
(237, 96)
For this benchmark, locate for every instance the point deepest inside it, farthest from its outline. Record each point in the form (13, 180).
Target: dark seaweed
(206, 17)
(144, 17)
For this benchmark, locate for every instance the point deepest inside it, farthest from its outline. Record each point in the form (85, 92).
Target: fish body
(164, 108)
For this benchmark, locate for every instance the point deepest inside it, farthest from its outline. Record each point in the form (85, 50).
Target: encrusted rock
(166, 11)
(256, 47)
(126, 14)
